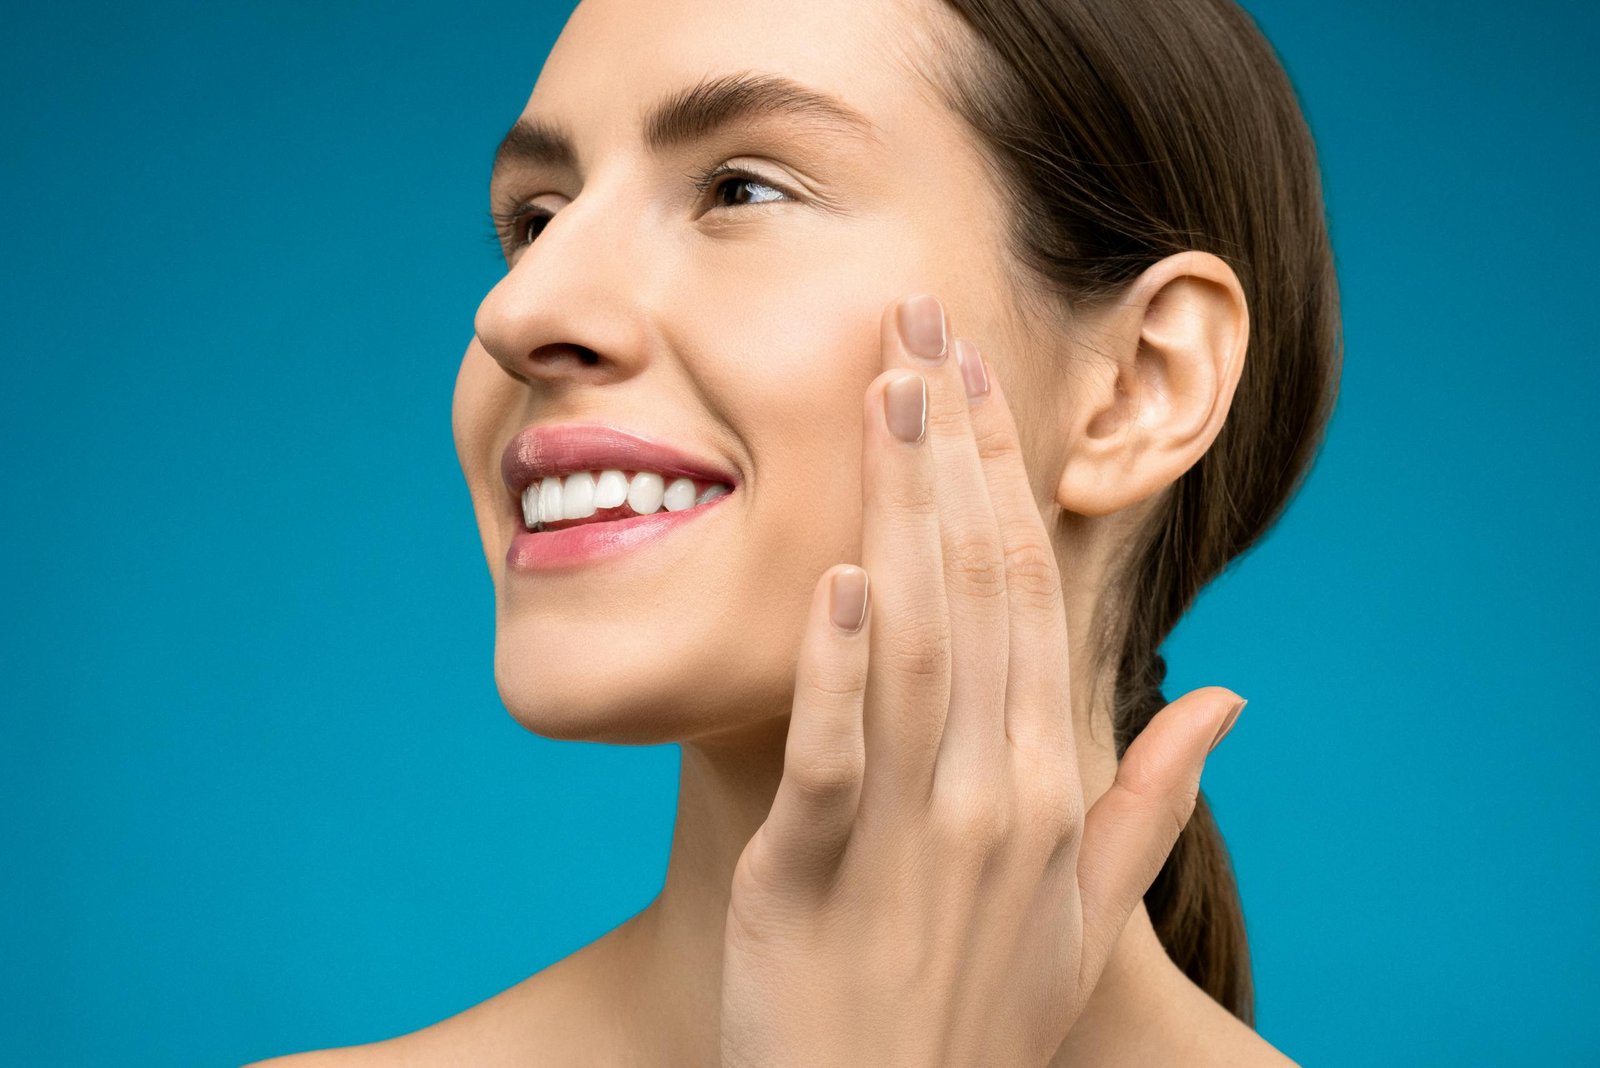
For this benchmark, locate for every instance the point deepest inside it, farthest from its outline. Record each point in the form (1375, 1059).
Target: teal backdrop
(260, 793)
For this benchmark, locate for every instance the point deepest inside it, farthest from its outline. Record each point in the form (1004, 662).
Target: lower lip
(556, 550)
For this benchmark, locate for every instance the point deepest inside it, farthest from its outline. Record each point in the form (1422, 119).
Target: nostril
(550, 357)
(554, 362)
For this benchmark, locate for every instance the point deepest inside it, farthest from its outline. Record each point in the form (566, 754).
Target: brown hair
(1127, 131)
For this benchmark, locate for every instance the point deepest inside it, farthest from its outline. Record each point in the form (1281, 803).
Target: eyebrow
(693, 114)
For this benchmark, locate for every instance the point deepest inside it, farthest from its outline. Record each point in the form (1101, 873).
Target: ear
(1168, 359)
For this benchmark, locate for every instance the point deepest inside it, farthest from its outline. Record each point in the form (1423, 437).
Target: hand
(927, 888)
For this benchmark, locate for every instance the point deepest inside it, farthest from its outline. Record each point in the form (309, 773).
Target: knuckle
(1154, 797)
(976, 564)
(920, 650)
(914, 496)
(836, 680)
(1171, 821)
(1180, 806)
(946, 419)
(973, 820)
(1054, 809)
(827, 777)
(753, 869)
(994, 442)
(1031, 572)
(1138, 778)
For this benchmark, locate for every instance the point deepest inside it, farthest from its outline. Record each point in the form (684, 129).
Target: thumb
(1130, 831)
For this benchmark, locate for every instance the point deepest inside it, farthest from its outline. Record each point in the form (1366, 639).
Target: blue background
(260, 793)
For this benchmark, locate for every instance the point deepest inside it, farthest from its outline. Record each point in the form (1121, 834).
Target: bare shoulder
(385, 1053)
(547, 1013)
(1219, 1039)
(431, 1047)
(1245, 1049)
(488, 1034)
(1192, 1028)
(466, 1039)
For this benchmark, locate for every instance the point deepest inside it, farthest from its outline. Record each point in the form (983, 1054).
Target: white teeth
(610, 489)
(530, 505)
(577, 496)
(712, 492)
(644, 492)
(550, 499)
(679, 495)
(583, 493)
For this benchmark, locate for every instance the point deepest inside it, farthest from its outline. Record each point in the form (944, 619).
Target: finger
(908, 686)
(1131, 829)
(824, 756)
(971, 748)
(1038, 707)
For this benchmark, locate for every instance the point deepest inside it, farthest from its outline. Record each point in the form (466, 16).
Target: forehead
(616, 59)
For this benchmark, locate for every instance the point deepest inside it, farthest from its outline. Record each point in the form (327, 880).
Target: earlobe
(1168, 362)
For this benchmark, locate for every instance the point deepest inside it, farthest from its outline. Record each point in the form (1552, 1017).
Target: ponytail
(1193, 902)
(1194, 905)
(1122, 132)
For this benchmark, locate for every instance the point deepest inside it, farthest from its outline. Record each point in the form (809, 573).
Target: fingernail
(973, 374)
(905, 407)
(1227, 724)
(922, 326)
(847, 598)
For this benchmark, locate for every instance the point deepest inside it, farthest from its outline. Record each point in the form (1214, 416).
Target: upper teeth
(582, 493)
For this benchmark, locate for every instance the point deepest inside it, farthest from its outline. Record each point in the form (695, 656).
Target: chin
(638, 693)
(562, 721)
(567, 696)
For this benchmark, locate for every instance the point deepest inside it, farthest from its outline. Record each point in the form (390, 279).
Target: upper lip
(540, 451)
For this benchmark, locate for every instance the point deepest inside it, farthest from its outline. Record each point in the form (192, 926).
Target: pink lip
(538, 451)
(553, 550)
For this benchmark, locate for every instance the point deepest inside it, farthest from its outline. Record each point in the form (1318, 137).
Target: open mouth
(597, 497)
(649, 511)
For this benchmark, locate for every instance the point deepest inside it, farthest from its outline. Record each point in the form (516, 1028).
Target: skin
(765, 334)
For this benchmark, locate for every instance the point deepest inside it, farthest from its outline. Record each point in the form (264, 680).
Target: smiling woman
(862, 405)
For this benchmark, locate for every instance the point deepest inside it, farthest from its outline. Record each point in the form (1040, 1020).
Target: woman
(1021, 315)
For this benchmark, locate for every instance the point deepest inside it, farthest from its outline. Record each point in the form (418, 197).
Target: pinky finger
(825, 755)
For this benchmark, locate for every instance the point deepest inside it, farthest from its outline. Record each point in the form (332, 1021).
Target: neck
(669, 956)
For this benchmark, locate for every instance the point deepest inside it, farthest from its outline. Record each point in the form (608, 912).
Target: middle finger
(956, 747)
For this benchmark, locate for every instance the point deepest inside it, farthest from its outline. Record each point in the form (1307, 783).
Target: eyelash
(508, 229)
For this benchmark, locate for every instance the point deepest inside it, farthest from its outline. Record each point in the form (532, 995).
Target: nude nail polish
(922, 328)
(905, 407)
(973, 373)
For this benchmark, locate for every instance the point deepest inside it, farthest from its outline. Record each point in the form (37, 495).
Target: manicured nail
(905, 407)
(847, 598)
(1227, 724)
(922, 326)
(973, 373)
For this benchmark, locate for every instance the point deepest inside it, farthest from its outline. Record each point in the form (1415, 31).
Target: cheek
(483, 404)
(794, 335)
(803, 362)
(797, 337)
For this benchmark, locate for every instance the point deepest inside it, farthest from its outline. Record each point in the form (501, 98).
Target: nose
(571, 309)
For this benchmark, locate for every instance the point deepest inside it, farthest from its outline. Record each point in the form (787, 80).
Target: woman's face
(739, 324)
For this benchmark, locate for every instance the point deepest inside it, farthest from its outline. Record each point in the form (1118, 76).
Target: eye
(724, 177)
(517, 227)
(523, 223)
